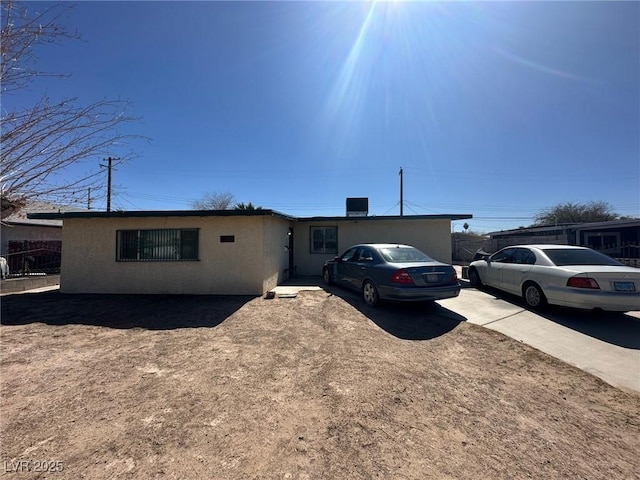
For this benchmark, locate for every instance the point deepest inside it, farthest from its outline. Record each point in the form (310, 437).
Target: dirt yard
(313, 387)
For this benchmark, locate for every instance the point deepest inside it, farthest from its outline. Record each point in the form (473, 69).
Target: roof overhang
(161, 213)
(41, 223)
(234, 213)
(373, 218)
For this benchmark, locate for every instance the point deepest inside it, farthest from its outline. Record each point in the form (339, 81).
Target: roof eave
(158, 213)
(231, 213)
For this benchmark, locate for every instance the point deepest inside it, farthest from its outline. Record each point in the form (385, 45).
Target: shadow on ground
(615, 328)
(153, 312)
(408, 321)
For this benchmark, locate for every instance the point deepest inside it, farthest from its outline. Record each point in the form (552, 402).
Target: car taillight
(403, 277)
(583, 282)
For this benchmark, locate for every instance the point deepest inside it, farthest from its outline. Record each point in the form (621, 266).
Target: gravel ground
(312, 387)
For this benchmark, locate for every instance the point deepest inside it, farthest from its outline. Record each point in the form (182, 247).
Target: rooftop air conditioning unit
(357, 207)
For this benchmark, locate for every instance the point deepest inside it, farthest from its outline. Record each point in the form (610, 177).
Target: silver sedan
(392, 272)
(564, 275)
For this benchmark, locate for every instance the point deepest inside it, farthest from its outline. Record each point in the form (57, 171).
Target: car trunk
(430, 276)
(610, 278)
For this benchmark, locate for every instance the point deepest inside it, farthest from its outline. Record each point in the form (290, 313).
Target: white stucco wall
(432, 236)
(89, 257)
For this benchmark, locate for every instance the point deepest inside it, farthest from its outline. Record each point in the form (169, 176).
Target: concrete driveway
(605, 345)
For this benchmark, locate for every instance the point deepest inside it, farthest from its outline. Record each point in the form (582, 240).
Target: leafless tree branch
(22, 28)
(214, 201)
(39, 144)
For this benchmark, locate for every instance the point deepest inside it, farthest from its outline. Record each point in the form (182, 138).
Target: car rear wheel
(474, 278)
(326, 276)
(533, 296)
(370, 293)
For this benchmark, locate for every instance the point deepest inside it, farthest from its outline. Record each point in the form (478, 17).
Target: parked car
(569, 276)
(392, 272)
(4, 268)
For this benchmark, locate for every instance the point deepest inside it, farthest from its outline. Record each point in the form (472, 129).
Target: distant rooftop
(629, 222)
(23, 216)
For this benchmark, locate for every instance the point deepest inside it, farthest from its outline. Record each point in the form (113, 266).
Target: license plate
(624, 286)
(431, 277)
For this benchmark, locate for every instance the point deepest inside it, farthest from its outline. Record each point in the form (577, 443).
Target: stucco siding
(89, 258)
(432, 236)
(253, 259)
(276, 253)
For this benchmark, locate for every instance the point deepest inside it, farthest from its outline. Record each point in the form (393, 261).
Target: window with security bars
(324, 240)
(157, 245)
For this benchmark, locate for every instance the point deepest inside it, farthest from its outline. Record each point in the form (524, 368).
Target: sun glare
(379, 72)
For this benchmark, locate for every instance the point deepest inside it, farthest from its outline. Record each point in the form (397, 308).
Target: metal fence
(630, 262)
(42, 260)
(629, 254)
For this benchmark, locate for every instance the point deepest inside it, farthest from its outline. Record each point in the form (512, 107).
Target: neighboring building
(36, 240)
(617, 238)
(221, 251)
(464, 246)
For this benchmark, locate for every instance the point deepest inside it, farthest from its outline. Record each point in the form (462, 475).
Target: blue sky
(496, 109)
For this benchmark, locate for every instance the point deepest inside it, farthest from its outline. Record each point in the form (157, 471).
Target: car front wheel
(474, 278)
(326, 276)
(370, 293)
(533, 296)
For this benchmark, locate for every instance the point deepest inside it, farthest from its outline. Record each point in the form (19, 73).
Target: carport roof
(232, 213)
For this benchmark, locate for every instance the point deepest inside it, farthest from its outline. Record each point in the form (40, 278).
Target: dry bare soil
(313, 387)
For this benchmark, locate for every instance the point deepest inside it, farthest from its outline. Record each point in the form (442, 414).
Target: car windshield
(571, 256)
(404, 255)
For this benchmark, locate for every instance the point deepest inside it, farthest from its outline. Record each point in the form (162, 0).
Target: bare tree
(40, 143)
(22, 30)
(214, 201)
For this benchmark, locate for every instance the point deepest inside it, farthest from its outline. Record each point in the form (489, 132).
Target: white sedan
(563, 275)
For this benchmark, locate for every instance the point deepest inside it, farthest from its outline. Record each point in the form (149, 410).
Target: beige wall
(239, 268)
(276, 253)
(256, 262)
(432, 236)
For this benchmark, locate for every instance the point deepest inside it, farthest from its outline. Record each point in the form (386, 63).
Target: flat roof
(627, 222)
(232, 213)
(444, 216)
(160, 213)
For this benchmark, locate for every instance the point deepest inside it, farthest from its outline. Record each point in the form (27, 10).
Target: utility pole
(89, 199)
(109, 168)
(109, 185)
(401, 194)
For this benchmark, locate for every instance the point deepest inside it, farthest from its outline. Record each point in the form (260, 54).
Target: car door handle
(363, 268)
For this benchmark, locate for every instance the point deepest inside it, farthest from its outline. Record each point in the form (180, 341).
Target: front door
(514, 272)
(292, 267)
(496, 265)
(344, 268)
